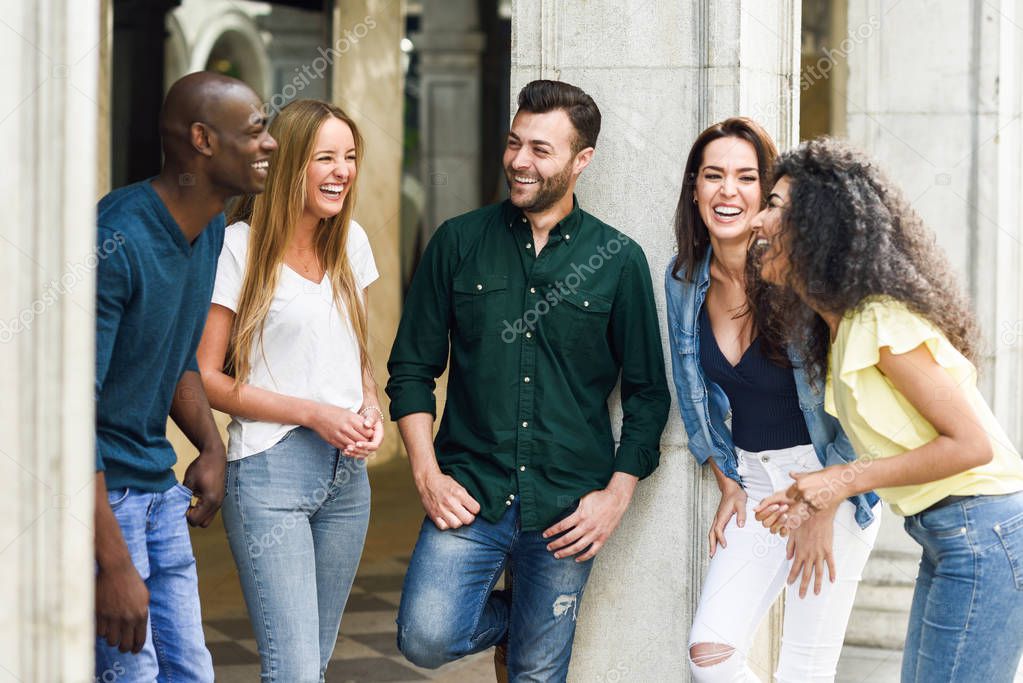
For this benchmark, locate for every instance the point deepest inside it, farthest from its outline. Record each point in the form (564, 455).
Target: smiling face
(331, 169)
(243, 144)
(728, 191)
(540, 164)
(774, 260)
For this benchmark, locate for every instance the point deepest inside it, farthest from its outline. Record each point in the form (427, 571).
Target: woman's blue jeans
(449, 608)
(966, 623)
(296, 517)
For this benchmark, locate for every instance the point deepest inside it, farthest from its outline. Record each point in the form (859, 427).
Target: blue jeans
(449, 608)
(966, 623)
(296, 517)
(156, 533)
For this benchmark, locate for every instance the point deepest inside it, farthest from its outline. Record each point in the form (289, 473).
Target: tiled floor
(365, 650)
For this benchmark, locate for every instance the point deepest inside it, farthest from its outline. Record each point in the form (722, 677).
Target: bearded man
(541, 307)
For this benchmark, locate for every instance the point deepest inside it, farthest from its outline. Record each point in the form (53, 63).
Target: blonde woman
(284, 353)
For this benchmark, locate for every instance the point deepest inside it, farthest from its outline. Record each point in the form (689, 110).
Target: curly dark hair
(850, 234)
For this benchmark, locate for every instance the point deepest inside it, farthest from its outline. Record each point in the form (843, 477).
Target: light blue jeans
(296, 517)
(449, 607)
(966, 623)
(156, 533)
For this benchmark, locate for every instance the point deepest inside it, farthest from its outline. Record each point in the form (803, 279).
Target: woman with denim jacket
(728, 357)
(890, 328)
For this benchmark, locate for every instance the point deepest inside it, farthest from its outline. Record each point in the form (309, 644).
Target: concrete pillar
(942, 114)
(368, 84)
(660, 73)
(449, 45)
(48, 191)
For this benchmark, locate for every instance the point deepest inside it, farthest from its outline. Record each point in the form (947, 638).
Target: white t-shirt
(309, 348)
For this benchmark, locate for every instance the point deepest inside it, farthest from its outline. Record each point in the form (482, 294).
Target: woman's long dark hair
(691, 234)
(693, 239)
(850, 234)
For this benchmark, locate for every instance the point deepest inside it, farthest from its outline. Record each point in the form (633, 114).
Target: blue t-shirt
(153, 292)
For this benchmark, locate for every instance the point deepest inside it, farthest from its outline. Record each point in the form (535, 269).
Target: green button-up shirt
(536, 345)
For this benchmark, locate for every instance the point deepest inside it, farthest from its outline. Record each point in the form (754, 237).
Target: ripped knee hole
(709, 654)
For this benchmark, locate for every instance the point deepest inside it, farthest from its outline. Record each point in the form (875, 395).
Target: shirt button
(508, 503)
(479, 286)
(526, 380)
(529, 335)
(528, 246)
(522, 468)
(532, 290)
(568, 237)
(525, 424)
(765, 458)
(511, 496)
(524, 219)
(586, 304)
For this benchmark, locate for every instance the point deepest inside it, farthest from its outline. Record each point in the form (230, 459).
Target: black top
(765, 406)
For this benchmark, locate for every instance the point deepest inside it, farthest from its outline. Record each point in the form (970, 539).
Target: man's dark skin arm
(122, 599)
(190, 411)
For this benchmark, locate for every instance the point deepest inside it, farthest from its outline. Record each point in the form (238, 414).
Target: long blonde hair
(272, 217)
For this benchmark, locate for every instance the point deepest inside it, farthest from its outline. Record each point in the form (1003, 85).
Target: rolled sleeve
(420, 351)
(636, 337)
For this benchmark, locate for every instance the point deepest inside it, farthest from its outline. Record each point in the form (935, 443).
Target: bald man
(159, 243)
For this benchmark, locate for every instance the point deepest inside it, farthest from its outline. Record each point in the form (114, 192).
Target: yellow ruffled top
(880, 422)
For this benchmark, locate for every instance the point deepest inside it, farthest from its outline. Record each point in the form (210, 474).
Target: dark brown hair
(850, 234)
(693, 237)
(542, 96)
(691, 233)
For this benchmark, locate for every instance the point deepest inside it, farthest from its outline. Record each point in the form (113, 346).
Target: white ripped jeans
(745, 578)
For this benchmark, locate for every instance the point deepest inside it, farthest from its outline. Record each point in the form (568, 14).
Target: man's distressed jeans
(449, 608)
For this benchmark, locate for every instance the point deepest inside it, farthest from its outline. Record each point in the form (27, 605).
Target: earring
(694, 201)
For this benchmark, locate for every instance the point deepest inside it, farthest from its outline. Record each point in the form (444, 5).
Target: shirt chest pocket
(577, 323)
(480, 303)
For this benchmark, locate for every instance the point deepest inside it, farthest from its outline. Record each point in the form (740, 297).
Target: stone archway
(233, 39)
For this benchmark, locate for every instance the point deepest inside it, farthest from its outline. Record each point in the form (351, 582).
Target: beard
(548, 190)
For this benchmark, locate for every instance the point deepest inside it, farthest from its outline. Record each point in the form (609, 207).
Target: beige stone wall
(368, 84)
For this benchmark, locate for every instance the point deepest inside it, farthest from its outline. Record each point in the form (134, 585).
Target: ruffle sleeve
(890, 323)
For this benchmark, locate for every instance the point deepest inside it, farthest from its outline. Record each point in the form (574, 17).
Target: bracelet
(379, 412)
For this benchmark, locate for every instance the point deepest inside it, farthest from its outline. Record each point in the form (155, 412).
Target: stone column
(368, 84)
(48, 130)
(942, 114)
(449, 45)
(660, 73)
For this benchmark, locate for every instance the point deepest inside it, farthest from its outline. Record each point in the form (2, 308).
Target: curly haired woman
(893, 334)
(729, 357)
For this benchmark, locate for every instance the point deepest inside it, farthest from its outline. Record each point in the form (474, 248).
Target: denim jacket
(705, 407)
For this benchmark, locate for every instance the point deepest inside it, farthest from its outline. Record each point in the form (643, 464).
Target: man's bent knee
(426, 649)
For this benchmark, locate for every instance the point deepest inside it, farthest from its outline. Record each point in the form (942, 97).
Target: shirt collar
(566, 227)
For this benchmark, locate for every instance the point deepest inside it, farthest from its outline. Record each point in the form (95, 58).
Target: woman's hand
(733, 502)
(772, 512)
(810, 547)
(339, 427)
(823, 489)
(372, 419)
